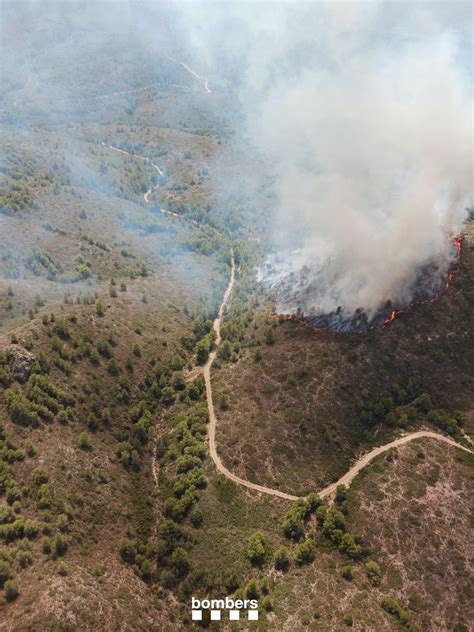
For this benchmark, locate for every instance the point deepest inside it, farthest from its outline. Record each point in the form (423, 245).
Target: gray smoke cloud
(364, 112)
(361, 112)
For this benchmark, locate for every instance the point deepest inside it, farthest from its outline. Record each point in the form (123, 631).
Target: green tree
(59, 545)
(346, 572)
(341, 494)
(194, 391)
(282, 558)
(40, 476)
(177, 363)
(225, 350)
(423, 403)
(113, 367)
(202, 351)
(305, 553)
(11, 590)
(373, 572)
(251, 590)
(84, 441)
(294, 519)
(144, 567)
(92, 422)
(334, 525)
(5, 572)
(224, 403)
(177, 381)
(196, 518)
(349, 546)
(180, 561)
(168, 395)
(269, 336)
(314, 501)
(128, 550)
(46, 545)
(348, 619)
(257, 549)
(24, 558)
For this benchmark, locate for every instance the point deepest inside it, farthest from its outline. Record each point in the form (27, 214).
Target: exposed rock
(22, 362)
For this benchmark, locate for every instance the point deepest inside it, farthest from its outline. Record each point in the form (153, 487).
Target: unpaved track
(206, 87)
(365, 460)
(146, 195)
(328, 491)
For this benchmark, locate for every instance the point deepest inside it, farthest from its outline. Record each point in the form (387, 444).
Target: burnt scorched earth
(293, 291)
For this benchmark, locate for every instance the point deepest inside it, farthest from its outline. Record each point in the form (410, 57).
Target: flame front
(457, 242)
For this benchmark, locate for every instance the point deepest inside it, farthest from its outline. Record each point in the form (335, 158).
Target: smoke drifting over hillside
(361, 111)
(364, 112)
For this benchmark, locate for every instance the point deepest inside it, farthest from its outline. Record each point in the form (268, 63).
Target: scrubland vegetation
(111, 512)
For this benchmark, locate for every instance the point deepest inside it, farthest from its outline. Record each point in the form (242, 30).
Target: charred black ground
(428, 284)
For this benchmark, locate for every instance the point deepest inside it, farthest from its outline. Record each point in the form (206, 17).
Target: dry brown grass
(293, 419)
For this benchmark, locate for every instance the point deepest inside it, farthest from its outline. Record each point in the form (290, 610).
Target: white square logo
(234, 615)
(252, 615)
(196, 615)
(215, 615)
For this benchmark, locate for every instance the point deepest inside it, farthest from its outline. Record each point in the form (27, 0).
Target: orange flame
(457, 241)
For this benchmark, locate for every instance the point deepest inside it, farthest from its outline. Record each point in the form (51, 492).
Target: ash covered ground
(313, 293)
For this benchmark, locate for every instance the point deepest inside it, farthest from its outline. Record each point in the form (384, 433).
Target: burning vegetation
(428, 285)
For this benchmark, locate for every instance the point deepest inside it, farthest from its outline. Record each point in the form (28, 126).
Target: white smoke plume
(364, 111)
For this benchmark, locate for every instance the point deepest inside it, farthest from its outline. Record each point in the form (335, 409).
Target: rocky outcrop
(21, 362)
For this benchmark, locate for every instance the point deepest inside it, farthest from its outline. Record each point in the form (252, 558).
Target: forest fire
(457, 242)
(359, 321)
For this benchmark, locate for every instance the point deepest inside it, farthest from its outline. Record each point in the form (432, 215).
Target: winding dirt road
(146, 195)
(206, 87)
(326, 492)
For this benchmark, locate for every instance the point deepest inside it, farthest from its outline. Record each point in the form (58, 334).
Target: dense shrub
(168, 395)
(11, 590)
(257, 549)
(128, 455)
(373, 572)
(5, 572)
(305, 553)
(334, 525)
(393, 608)
(40, 476)
(59, 546)
(346, 572)
(180, 562)
(251, 590)
(349, 546)
(23, 411)
(84, 441)
(282, 558)
(128, 550)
